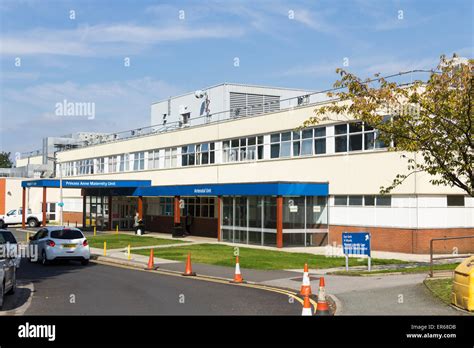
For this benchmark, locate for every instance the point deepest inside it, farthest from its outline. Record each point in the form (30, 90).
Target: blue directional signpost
(356, 243)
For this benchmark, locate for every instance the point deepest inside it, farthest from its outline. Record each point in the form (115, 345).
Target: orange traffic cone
(237, 276)
(151, 262)
(189, 269)
(306, 285)
(307, 307)
(322, 308)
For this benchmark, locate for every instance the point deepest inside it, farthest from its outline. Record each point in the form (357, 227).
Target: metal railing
(303, 100)
(454, 256)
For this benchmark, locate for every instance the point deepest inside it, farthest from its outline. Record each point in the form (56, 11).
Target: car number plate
(69, 245)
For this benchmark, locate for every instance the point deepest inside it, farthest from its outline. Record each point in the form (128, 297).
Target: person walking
(188, 223)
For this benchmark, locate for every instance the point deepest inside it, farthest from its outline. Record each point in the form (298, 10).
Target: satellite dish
(199, 94)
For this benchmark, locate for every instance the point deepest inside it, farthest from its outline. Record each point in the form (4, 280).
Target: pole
(347, 262)
(95, 231)
(128, 251)
(369, 264)
(60, 194)
(105, 248)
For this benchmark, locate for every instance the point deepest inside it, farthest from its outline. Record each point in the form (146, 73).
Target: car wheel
(13, 289)
(84, 262)
(32, 223)
(44, 259)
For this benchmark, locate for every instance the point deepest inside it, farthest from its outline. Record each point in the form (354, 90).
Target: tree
(433, 119)
(5, 161)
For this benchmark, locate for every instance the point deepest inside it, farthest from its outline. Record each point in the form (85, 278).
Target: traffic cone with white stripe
(237, 276)
(151, 262)
(323, 307)
(189, 269)
(306, 285)
(307, 311)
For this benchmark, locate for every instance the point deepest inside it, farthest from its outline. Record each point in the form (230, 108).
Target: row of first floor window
(347, 137)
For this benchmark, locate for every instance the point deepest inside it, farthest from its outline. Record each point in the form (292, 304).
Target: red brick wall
(409, 240)
(72, 217)
(203, 227)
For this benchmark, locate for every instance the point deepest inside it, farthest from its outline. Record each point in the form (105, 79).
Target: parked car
(61, 243)
(13, 217)
(8, 237)
(7, 266)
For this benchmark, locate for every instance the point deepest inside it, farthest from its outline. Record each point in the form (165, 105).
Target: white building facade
(263, 147)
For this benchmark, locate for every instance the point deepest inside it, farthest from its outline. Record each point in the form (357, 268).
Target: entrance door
(97, 212)
(123, 212)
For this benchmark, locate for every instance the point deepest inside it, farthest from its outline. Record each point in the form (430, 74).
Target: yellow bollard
(95, 231)
(129, 254)
(105, 248)
(116, 229)
(27, 237)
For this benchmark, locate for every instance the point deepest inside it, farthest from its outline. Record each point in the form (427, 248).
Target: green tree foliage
(5, 161)
(433, 119)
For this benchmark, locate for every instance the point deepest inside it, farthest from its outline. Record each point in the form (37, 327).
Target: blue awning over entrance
(81, 183)
(236, 189)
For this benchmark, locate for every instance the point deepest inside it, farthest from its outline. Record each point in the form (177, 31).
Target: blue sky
(283, 43)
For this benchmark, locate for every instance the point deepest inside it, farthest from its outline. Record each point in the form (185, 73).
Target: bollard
(95, 231)
(105, 248)
(116, 229)
(27, 237)
(67, 223)
(76, 223)
(129, 254)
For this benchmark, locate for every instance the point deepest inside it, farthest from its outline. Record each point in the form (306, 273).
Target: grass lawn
(441, 288)
(116, 241)
(223, 255)
(404, 270)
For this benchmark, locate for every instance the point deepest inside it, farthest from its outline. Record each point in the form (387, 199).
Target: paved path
(374, 295)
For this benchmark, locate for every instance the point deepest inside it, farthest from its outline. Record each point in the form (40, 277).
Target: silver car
(60, 243)
(7, 266)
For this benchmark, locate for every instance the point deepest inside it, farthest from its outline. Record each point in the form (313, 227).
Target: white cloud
(105, 39)
(119, 105)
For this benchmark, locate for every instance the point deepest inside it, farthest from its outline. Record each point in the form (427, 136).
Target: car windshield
(7, 237)
(66, 234)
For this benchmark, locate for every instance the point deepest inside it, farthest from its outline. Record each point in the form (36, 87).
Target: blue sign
(244, 189)
(356, 243)
(81, 183)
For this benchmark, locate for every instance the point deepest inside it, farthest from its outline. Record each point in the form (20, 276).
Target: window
(166, 206)
(139, 161)
(340, 200)
(197, 154)
(355, 200)
(243, 149)
(67, 234)
(341, 137)
(455, 200)
(100, 165)
(171, 157)
(280, 145)
(384, 201)
(188, 155)
(356, 136)
(154, 159)
(199, 207)
(86, 166)
(124, 162)
(369, 201)
(112, 164)
(68, 168)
